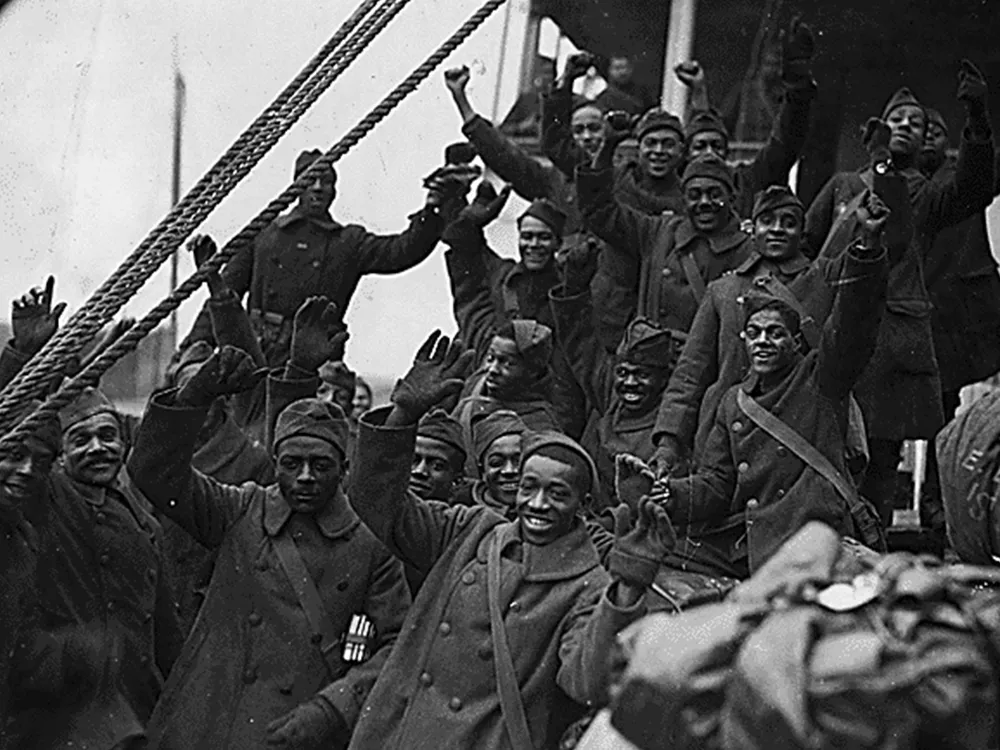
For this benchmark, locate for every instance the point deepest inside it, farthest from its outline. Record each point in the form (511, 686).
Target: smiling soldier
(515, 616)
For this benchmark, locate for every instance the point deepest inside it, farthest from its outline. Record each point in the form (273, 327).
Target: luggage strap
(693, 276)
(309, 599)
(507, 687)
(866, 522)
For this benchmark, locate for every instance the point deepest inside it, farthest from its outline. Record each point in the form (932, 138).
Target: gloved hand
(487, 205)
(633, 480)
(226, 372)
(690, 73)
(636, 556)
(314, 725)
(33, 319)
(668, 458)
(797, 49)
(438, 372)
(203, 248)
(318, 334)
(875, 135)
(579, 264)
(972, 89)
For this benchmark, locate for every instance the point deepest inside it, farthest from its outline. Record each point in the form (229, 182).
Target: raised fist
(691, 74)
(456, 79)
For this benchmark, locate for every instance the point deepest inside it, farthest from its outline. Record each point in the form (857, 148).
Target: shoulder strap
(693, 275)
(839, 223)
(867, 524)
(507, 687)
(309, 599)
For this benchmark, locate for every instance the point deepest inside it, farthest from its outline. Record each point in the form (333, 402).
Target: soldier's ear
(800, 343)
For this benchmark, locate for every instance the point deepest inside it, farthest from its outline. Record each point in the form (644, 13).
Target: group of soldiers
(683, 366)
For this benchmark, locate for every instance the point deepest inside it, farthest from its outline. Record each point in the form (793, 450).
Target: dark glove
(438, 372)
(487, 205)
(203, 248)
(636, 557)
(633, 480)
(314, 725)
(668, 458)
(875, 136)
(33, 319)
(318, 335)
(972, 89)
(797, 49)
(226, 372)
(580, 265)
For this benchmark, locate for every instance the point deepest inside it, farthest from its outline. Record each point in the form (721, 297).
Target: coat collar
(789, 267)
(731, 236)
(336, 520)
(296, 215)
(568, 557)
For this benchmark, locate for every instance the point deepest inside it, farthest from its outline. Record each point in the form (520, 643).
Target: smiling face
(362, 400)
(934, 149)
(708, 204)
(771, 346)
(436, 467)
(907, 126)
(334, 393)
(537, 243)
(318, 196)
(587, 126)
(23, 471)
(549, 497)
(505, 367)
(660, 152)
(308, 470)
(94, 450)
(500, 469)
(638, 387)
(778, 233)
(708, 142)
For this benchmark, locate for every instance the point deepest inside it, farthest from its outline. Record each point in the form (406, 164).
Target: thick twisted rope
(130, 340)
(198, 203)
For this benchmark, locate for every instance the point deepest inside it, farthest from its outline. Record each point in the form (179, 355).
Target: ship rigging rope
(323, 69)
(91, 374)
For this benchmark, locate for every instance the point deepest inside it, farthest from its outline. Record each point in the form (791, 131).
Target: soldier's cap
(310, 417)
(438, 425)
(645, 343)
(937, 118)
(489, 427)
(89, 403)
(711, 166)
(775, 197)
(658, 119)
(703, 121)
(902, 98)
(49, 433)
(305, 159)
(548, 213)
(339, 375)
(193, 354)
(756, 300)
(532, 339)
(563, 448)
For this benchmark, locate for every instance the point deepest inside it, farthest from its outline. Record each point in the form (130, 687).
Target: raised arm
(415, 531)
(557, 112)
(626, 230)
(160, 462)
(851, 332)
(33, 322)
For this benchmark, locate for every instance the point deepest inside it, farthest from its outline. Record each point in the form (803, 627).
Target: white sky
(86, 98)
(86, 103)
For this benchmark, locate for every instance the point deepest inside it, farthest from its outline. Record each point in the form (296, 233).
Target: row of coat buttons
(455, 704)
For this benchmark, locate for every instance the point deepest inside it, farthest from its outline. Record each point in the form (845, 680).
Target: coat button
(666, 272)
(342, 586)
(781, 493)
(144, 660)
(111, 606)
(752, 503)
(515, 606)
(469, 577)
(742, 468)
(444, 628)
(148, 618)
(249, 676)
(316, 638)
(737, 426)
(105, 558)
(262, 565)
(782, 450)
(151, 574)
(485, 652)
(101, 517)
(255, 619)
(426, 680)
(455, 704)
(285, 689)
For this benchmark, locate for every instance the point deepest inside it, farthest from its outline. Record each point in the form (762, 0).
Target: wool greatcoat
(251, 658)
(750, 493)
(900, 390)
(658, 245)
(439, 687)
(298, 257)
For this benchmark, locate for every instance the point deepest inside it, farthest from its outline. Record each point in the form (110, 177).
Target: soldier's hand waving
(637, 554)
(438, 372)
(226, 372)
(797, 49)
(318, 334)
(203, 248)
(972, 88)
(314, 725)
(33, 319)
(487, 205)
